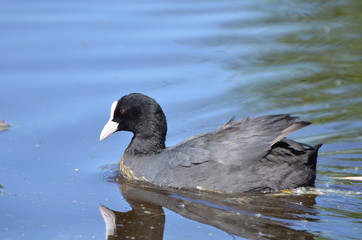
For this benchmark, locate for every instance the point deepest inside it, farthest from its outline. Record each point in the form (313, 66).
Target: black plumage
(250, 154)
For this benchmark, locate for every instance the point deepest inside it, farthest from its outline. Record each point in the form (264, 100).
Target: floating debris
(352, 178)
(4, 125)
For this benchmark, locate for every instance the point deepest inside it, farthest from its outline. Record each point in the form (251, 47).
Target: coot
(248, 155)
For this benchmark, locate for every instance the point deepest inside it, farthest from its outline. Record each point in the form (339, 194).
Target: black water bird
(248, 155)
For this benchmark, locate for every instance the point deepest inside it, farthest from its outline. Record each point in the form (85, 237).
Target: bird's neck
(149, 136)
(144, 144)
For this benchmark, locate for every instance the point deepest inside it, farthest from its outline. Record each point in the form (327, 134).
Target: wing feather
(246, 140)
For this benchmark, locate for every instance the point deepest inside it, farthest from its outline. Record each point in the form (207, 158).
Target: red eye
(123, 111)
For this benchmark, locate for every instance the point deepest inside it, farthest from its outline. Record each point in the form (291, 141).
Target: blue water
(63, 63)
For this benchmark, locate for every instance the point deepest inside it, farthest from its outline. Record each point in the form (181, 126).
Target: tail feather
(313, 155)
(292, 128)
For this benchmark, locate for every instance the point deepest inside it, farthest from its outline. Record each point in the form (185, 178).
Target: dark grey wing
(241, 142)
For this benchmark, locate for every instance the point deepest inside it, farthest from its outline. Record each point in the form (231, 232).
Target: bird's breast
(128, 173)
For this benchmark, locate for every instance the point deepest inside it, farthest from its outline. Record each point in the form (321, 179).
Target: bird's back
(251, 154)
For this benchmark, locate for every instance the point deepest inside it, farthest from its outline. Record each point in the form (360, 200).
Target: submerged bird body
(251, 154)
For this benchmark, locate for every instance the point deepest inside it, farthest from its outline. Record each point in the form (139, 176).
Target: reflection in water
(144, 221)
(261, 216)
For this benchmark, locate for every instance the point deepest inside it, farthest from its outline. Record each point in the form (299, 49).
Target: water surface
(63, 63)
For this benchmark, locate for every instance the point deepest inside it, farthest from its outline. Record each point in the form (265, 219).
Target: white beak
(108, 129)
(110, 126)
